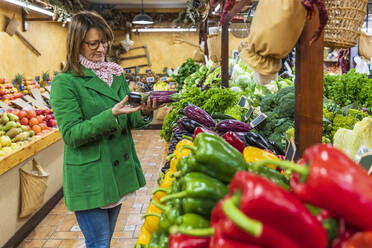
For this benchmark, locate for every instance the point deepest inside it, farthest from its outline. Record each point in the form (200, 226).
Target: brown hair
(79, 26)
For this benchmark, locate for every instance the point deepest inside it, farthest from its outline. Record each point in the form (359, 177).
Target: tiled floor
(60, 228)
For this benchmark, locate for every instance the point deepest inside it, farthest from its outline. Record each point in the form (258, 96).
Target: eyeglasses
(93, 45)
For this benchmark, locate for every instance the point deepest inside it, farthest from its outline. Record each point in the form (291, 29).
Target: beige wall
(164, 50)
(15, 57)
(51, 160)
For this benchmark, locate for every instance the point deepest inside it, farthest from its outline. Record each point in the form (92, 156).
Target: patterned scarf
(104, 70)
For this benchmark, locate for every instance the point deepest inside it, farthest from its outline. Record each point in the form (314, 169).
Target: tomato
(24, 121)
(22, 114)
(360, 240)
(36, 129)
(31, 114)
(33, 121)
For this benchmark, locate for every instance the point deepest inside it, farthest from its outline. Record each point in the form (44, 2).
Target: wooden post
(225, 52)
(309, 88)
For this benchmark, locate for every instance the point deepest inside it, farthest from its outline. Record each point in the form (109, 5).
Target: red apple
(48, 117)
(52, 123)
(39, 112)
(47, 111)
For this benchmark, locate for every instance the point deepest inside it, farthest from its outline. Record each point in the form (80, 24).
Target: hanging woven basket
(345, 19)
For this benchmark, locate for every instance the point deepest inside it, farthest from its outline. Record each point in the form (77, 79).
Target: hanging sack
(34, 182)
(275, 30)
(214, 47)
(198, 55)
(161, 113)
(365, 46)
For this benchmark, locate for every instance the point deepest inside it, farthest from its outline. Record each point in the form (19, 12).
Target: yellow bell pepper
(173, 164)
(144, 238)
(253, 154)
(165, 184)
(151, 222)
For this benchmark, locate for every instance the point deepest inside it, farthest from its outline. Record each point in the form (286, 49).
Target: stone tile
(42, 232)
(134, 219)
(127, 204)
(129, 227)
(65, 235)
(72, 244)
(52, 220)
(52, 244)
(32, 244)
(125, 243)
(123, 235)
(66, 226)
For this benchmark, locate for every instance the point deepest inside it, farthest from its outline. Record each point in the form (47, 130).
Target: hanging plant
(195, 13)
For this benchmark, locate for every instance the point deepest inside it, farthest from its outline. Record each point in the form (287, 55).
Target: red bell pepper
(345, 233)
(234, 141)
(286, 222)
(334, 182)
(360, 240)
(220, 241)
(179, 240)
(202, 130)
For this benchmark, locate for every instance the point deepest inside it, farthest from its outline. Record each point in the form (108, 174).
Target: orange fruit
(40, 118)
(33, 121)
(31, 114)
(22, 114)
(36, 129)
(43, 126)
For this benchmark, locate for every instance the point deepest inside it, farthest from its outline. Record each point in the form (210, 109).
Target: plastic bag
(275, 30)
(34, 182)
(361, 65)
(364, 129)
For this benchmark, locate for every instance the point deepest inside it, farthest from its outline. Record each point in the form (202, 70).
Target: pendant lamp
(142, 18)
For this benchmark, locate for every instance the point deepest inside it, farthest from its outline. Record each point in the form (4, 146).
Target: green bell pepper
(192, 221)
(270, 174)
(171, 211)
(163, 241)
(199, 185)
(198, 205)
(155, 237)
(219, 158)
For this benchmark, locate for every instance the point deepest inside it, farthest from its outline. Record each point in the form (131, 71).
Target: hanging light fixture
(142, 18)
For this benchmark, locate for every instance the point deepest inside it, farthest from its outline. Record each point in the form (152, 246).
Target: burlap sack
(161, 113)
(276, 27)
(34, 182)
(198, 55)
(214, 47)
(365, 46)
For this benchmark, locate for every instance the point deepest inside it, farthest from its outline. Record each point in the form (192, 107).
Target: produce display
(8, 92)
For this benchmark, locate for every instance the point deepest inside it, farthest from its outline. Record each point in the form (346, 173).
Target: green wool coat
(100, 162)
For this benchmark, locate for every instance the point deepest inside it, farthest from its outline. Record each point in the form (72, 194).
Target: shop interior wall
(15, 57)
(164, 49)
(10, 189)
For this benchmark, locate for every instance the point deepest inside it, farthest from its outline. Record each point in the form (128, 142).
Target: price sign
(243, 102)
(163, 79)
(249, 113)
(366, 161)
(258, 120)
(290, 152)
(150, 79)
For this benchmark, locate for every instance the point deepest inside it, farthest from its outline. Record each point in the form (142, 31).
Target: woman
(101, 168)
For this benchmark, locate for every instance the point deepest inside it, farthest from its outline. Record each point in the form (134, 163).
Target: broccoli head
(268, 103)
(281, 95)
(286, 106)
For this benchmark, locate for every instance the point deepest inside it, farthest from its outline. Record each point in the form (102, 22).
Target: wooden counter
(37, 144)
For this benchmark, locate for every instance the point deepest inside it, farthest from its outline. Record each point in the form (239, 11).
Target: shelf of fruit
(24, 133)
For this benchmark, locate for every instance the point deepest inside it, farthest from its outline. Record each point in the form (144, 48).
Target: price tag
(141, 85)
(243, 102)
(163, 79)
(290, 152)
(249, 113)
(258, 120)
(128, 71)
(150, 79)
(366, 161)
(148, 71)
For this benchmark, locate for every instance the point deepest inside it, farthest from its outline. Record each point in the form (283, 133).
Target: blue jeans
(98, 225)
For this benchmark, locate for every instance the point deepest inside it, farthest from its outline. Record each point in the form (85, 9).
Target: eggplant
(190, 125)
(233, 125)
(179, 122)
(161, 99)
(199, 115)
(135, 98)
(254, 139)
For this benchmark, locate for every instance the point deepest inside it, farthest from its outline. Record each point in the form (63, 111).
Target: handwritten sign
(290, 152)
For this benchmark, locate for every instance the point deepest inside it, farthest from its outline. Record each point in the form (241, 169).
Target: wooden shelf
(37, 144)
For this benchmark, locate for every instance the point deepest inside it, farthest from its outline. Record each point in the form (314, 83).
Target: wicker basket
(346, 18)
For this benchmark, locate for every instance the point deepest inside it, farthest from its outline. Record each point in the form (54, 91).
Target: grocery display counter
(48, 152)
